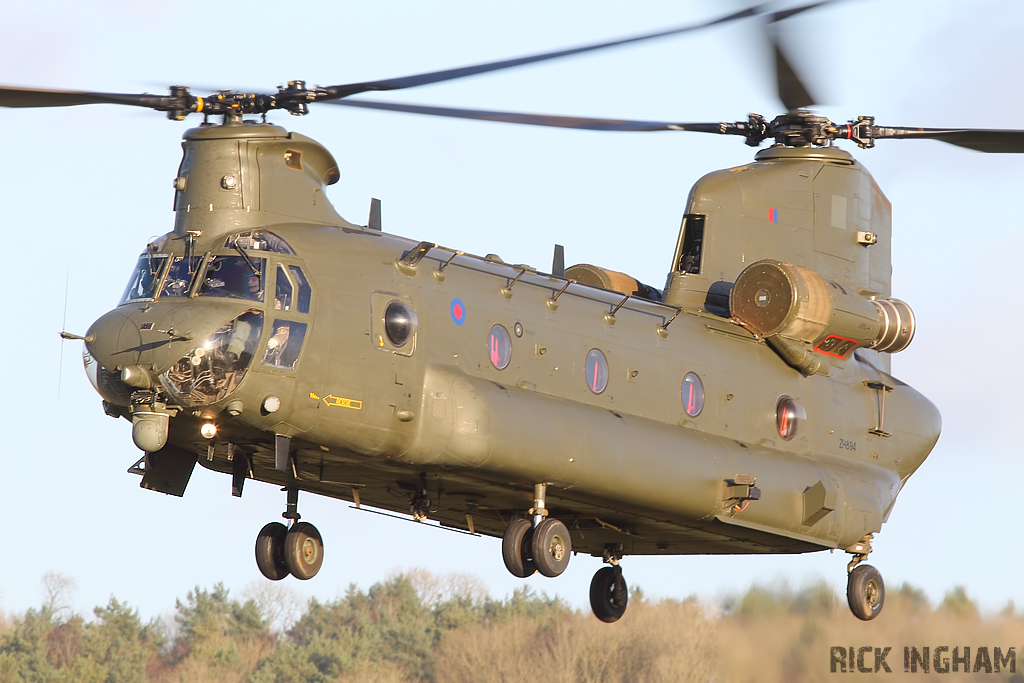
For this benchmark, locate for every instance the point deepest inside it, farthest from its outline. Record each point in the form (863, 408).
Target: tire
(270, 551)
(609, 595)
(516, 548)
(303, 551)
(865, 592)
(551, 547)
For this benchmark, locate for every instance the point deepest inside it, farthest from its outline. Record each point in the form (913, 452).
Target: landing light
(271, 404)
(208, 430)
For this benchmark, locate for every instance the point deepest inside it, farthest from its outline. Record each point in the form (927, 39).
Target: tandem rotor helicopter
(747, 407)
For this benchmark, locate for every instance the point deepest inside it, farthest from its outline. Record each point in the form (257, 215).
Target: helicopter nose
(111, 344)
(114, 340)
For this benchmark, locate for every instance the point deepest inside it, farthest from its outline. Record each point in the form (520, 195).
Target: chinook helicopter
(267, 338)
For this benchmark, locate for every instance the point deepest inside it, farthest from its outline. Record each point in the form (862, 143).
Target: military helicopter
(369, 367)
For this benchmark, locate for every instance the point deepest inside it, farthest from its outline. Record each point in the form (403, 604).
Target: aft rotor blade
(38, 97)
(339, 91)
(979, 139)
(792, 91)
(550, 120)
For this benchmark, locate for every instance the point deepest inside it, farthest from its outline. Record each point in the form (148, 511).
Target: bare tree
(58, 590)
(278, 605)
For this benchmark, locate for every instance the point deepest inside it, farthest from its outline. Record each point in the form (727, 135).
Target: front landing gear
(270, 551)
(609, 594)
(281, 551)
(865, 590)
(541, 545)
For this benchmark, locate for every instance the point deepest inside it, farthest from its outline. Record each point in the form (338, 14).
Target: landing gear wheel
(551, 547)
(515, 548)
(865, 592)
(609, 594)
(270, 551)
(303, 550)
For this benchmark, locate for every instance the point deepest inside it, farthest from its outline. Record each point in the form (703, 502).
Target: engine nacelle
(773, 298)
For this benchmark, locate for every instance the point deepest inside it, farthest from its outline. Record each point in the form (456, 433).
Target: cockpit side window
(179, 275)
(304, 293)
(282, 291)
(693, 244)
(259, 240)
(235, 277)
(144, 279)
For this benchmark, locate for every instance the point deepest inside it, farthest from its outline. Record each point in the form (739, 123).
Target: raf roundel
(458, 312)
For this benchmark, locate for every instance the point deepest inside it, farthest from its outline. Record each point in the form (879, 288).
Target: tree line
(416, 627)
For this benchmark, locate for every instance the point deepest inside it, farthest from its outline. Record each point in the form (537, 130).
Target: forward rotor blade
(979, 139)
(580, 122)
(791, 89)
(339, 91)
(38, 97)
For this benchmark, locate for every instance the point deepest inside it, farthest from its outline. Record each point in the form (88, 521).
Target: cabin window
(399, 323)
(284, 344)
(596, 370)
(789, 417)
(693, 242)
(499, 347)
(692, 394)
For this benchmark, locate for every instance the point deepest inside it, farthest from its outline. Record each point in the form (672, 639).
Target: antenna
(558, 261)
(63, 326)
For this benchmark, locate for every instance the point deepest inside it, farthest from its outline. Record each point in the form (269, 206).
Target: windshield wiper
(252, 265)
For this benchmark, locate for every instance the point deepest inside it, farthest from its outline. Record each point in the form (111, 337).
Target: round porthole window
(399, 323)
(789, 417)
(499, 347)
(596, 371)
(692, 394)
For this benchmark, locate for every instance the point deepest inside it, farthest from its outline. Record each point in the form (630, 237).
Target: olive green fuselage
(370, 420)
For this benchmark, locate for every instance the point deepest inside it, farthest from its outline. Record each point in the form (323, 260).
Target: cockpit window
(291, 290)
(180, 274)
(282, 291)
(304, 293)
(261, 240)
(235, 277)
(284, 344)
(145, 278)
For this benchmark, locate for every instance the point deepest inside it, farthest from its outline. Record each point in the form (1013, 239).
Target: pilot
(255, 286)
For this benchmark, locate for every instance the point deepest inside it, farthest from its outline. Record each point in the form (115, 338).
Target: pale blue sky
(82, 190)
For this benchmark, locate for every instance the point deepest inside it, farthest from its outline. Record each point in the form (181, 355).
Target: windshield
(235, 277)
(144, 279)
(179, 275)
(215, 367)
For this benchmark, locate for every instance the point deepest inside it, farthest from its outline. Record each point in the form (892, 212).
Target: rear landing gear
(298, 550)
(865, 590)
(609, 594)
